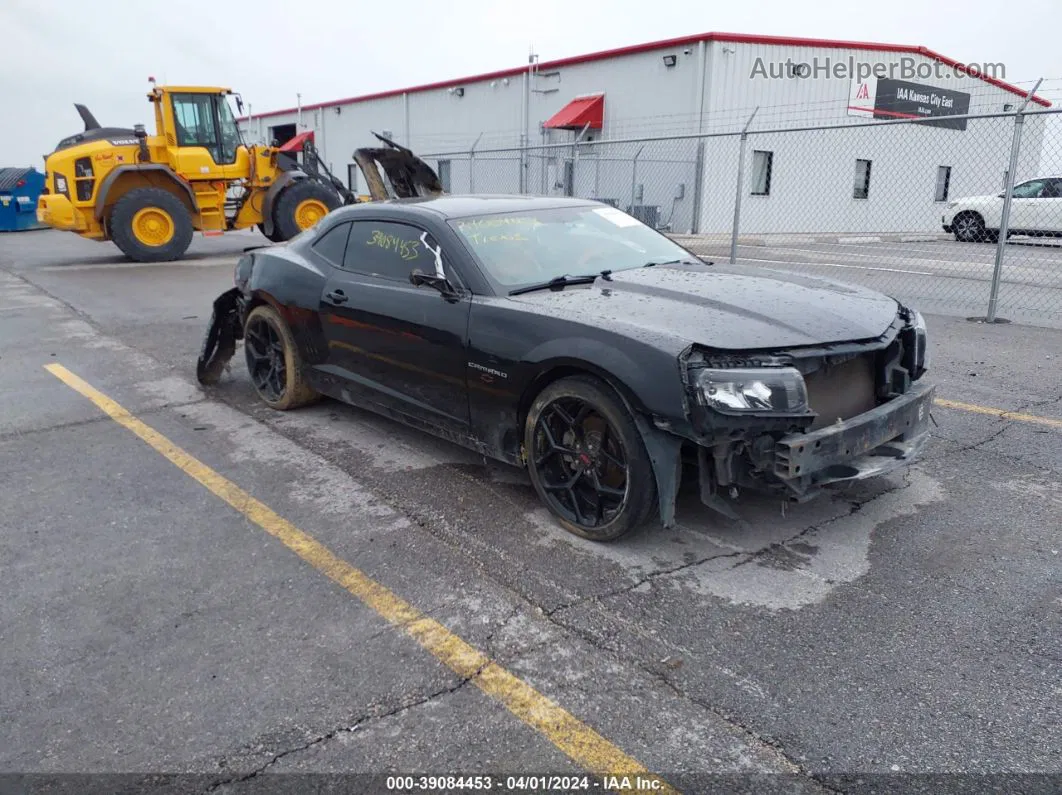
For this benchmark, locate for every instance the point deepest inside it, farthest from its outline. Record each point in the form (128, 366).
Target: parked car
(567, 337)
(1035, 209)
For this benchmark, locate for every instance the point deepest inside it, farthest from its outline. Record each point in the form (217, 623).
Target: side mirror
(417, 277)
(239, 103)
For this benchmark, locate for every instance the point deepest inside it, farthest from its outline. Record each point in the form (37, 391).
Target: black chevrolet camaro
(565, 336)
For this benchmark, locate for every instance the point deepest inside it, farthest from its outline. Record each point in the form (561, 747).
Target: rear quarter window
(332, 245)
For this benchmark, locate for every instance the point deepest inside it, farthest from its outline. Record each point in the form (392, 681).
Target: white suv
(1035, 209)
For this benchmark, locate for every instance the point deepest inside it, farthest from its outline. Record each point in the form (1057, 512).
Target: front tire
(300, 206)
(151, 225)
(969, 227)
(273, 361)
(587, 460)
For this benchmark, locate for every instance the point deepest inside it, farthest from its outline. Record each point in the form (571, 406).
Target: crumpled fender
(220, 344)
(664, 451)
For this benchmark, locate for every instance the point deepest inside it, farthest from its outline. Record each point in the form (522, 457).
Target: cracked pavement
(901, 625)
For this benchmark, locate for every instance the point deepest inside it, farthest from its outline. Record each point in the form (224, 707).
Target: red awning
(295, 144)
(578, 113)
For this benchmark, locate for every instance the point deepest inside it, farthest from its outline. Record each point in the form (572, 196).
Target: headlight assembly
(772, 390)
(921, 341)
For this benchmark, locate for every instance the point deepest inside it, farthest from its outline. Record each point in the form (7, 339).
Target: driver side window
(389, 250)
(193, 116)
(1028, 190)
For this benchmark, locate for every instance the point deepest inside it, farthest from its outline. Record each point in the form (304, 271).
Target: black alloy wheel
(265, 359)
(273, 361)
(587, 461)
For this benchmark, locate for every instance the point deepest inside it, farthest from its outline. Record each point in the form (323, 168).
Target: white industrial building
(595, 109)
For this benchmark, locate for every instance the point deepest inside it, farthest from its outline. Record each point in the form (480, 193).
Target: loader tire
(301, 205)
(273, 237)
(150, 225)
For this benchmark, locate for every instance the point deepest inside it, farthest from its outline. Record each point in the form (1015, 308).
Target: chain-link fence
(958, 215)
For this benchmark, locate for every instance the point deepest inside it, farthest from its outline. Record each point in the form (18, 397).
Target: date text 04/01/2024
(437, 784)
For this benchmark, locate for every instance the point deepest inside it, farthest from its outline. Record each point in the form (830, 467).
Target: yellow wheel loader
(150, 193)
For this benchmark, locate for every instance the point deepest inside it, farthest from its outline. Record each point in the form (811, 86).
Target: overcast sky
(57, 52)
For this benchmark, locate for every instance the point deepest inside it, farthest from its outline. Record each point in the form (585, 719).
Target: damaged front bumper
(794, 466)
(225, 329)
(870, 444)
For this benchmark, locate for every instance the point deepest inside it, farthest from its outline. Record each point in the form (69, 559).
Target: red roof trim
(580, 112)
(738, 38)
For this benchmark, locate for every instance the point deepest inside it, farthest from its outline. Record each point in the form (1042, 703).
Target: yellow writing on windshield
(488, 223)
(406, 249)
(477, 239)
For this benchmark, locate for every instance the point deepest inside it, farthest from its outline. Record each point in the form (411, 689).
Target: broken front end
(790, 422)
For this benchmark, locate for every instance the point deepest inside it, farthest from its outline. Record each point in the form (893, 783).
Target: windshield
(525, 248)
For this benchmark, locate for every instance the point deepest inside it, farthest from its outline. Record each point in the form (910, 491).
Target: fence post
(634, 177)
(1004, 221)
(472, 165)
(740, 188)
(575, 154)
(698, 188)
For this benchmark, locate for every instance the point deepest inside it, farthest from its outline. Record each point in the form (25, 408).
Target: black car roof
(465, 205)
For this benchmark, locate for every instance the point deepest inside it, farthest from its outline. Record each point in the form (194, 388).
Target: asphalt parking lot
(197, 584)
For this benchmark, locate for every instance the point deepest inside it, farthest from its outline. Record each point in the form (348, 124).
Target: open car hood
(404, 176)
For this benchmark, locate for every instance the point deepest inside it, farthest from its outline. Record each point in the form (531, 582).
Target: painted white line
(953, 264)
(19, 306)
(868, 239)
(213, 262)
(835, 265)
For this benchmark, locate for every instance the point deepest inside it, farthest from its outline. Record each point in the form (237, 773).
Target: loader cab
(200, 125)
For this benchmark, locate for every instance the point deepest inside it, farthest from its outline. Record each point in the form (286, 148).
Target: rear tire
(300, 206)
(580, 434)
(150, 225)
(273, 361)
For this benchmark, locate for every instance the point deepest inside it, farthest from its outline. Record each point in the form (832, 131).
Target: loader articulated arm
(312, 165)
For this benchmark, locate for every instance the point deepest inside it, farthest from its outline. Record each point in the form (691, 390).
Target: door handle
(337, 297)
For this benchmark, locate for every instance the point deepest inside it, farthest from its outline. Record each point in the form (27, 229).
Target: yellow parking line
(1001, 413)
(573, 737)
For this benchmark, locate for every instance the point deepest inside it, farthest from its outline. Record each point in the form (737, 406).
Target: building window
(761, 172)
(444, 174)
(943, 183)
(861, 189)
